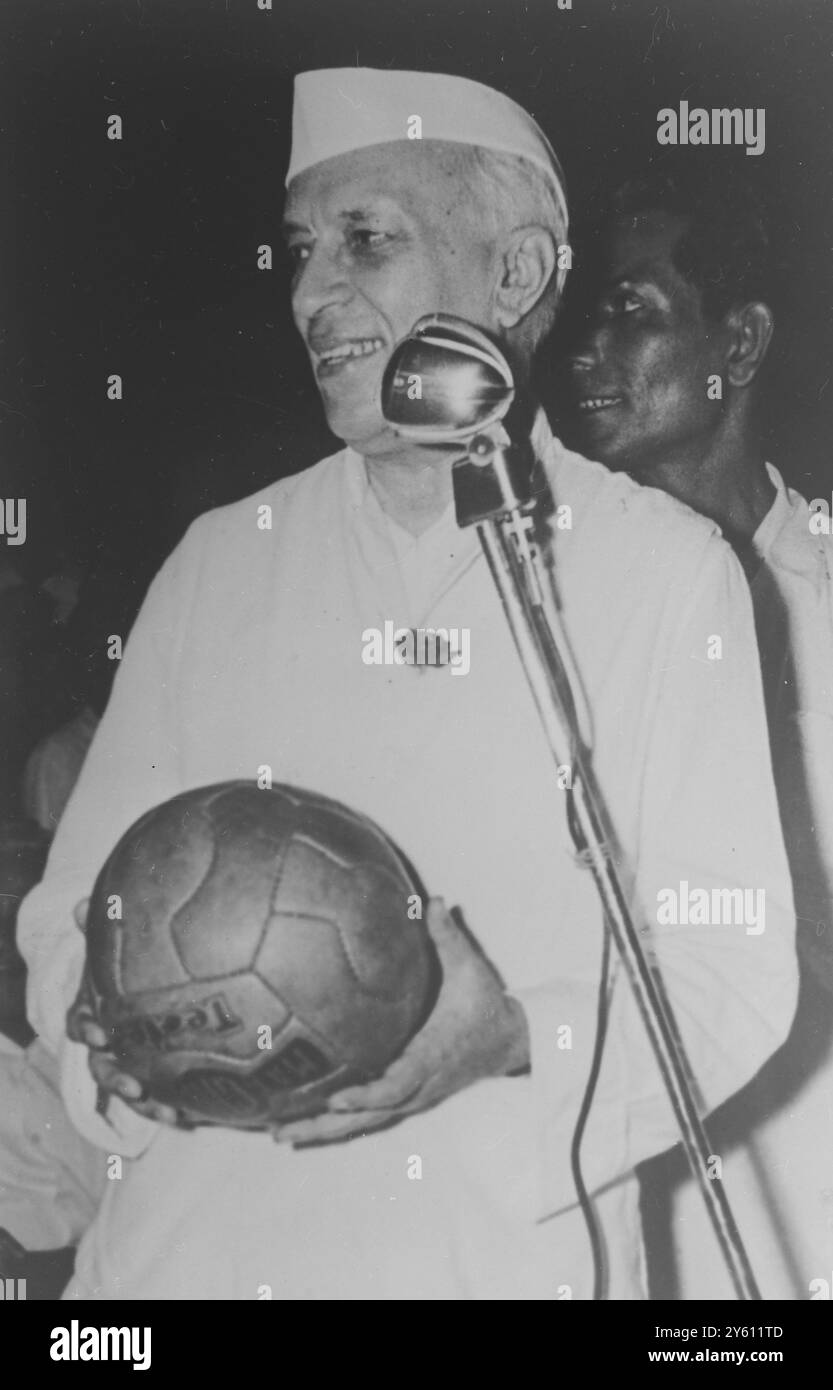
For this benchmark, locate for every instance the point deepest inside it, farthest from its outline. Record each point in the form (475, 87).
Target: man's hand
(475, 1030)
(111, 1080)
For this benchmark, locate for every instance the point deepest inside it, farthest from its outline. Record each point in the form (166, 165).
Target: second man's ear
(751, 328)
(527, 263)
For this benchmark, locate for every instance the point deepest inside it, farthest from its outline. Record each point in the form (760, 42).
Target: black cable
(594, 1232)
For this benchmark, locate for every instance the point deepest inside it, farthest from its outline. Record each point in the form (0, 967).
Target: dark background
(138, 256)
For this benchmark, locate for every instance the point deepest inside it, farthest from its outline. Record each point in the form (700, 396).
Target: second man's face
(639, 369)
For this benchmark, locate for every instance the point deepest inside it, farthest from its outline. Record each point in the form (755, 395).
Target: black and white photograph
(416, 662)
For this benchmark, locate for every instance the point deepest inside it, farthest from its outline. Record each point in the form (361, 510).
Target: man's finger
(93, 1034)
(162, 1114)
(399, 1085)
(109, 1074)
(79, 912)
(438, 919)
(82, 1027)
(82, 1024)
(327, 1129)
(449, 932)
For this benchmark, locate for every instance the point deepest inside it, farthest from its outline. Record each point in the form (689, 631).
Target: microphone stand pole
(492, 490)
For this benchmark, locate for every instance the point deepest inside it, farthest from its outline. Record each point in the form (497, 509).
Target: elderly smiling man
(249, 652)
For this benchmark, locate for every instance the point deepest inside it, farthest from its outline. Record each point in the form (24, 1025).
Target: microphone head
(445, 382)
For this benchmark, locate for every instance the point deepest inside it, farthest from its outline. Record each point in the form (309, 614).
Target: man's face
(379, 237)
(639, 378)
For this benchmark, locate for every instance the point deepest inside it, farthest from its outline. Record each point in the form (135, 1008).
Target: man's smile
(590, 405)
(342, 355)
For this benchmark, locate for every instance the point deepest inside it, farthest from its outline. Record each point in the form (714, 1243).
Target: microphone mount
(449, 382)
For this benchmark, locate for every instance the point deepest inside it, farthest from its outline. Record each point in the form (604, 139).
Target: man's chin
(352, 416)
(363, 431)
(594, 445)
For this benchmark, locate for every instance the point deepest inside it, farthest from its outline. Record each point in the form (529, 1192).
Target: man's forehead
(640, 245)
(399, 173)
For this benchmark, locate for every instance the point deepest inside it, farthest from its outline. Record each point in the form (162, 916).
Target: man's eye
(298, 253)
(367, 239)
(623, 302)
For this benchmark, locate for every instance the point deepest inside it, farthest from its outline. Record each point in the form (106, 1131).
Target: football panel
(303, 958)
(368, 908)
(154, 869)
(353, 838)
(389, 951)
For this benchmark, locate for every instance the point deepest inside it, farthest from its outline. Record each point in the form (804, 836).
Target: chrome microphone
(448, 382)
(445, 381)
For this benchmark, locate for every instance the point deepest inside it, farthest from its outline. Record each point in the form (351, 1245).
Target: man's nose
(586, 352)
(581, 360)
(323, 282)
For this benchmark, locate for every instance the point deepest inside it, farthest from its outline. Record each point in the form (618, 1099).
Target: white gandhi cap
(341, 109)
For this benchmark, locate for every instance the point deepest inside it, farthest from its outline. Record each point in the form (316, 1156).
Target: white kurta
(248, 652)
(781, 1180)
(51, 1179)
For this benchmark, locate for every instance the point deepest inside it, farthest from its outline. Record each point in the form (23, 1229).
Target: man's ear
(526, 264)
(750, 329)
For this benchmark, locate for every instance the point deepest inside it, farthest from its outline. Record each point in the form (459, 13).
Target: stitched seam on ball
(272, 913)
(310, 917)
(343, 864)
(206, 876)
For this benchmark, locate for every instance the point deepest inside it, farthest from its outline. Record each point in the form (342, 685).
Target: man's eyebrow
(366, 212)
(361, 213)
(350, 215)
(631, 278)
